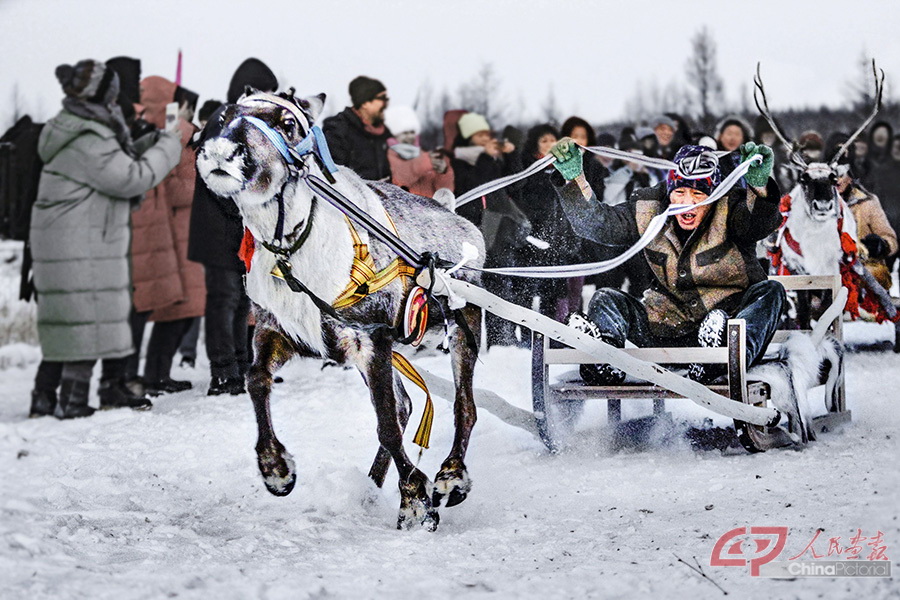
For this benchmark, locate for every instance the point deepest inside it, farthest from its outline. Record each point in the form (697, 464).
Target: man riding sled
(704, 263)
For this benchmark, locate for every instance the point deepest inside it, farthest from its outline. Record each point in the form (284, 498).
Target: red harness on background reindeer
(858, 296)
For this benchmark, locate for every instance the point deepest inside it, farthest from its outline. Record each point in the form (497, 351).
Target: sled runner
(557, 405)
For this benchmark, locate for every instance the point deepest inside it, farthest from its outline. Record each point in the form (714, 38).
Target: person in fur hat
(703, 262)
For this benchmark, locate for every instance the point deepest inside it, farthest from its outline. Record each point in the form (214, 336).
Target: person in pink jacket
(176, 193)
(412, 168)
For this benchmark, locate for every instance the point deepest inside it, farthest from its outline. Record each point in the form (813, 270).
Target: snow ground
(169, 503)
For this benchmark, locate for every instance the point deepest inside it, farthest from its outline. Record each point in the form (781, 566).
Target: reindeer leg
(452, 481)
(415, 487)
(276, 464)
(382, 461)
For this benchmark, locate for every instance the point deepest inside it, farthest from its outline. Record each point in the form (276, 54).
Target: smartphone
(171, 115)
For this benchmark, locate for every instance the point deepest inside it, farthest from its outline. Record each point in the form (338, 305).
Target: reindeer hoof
(277, 468)
(452, 482)
(416, 508)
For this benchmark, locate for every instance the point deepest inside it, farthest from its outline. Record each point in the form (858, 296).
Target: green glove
(568, 158)
(758, 175)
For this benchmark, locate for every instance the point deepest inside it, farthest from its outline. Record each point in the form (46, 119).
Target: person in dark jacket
(214, 239)
(478, 157)
(703, 262)
(357, 136)
(886, 184)
(548, 224)
(880, 136)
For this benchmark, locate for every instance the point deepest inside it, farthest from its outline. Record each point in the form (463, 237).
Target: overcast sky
(592, 53)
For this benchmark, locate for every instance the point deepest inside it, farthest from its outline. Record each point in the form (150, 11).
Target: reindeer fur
(799, 367)
(243, 164)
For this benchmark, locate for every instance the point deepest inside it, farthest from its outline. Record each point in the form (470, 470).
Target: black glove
(875, 244)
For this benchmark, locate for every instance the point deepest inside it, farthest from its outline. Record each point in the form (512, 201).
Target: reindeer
(819, 230)
(252, 162)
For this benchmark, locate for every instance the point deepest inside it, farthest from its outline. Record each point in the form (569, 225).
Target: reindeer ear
(314, 106)
(249, 90)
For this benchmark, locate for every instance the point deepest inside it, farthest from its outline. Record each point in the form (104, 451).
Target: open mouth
(688, 218)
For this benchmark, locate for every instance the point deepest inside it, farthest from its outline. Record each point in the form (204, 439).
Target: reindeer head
(818, 181)
(819, 184)
(245, 163)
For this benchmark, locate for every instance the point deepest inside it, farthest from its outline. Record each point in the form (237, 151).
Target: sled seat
(557, 404)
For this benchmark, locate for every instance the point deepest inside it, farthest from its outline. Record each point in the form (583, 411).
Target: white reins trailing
(694, 167)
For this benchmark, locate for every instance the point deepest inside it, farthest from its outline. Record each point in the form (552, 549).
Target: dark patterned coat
(711, 269)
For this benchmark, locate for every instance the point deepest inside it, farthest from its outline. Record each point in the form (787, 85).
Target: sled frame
(555, 405)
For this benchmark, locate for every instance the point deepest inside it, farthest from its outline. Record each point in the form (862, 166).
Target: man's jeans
(622, 317)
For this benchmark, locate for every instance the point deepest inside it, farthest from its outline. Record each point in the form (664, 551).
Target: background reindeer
(244, 162)
(819, 234)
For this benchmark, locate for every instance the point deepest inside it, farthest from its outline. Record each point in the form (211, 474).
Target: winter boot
(167, 386)
(115, 394)
(43, 403)
(710, 335)
(73, 400)
(230, 385)
(602, 374)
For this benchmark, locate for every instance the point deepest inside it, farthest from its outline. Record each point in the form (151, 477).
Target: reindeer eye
(289, 124)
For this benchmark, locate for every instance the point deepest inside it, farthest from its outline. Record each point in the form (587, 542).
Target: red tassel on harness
(245, 252)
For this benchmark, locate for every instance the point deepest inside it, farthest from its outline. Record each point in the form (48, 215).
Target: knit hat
(252, 72)
(363, 89)
(471, 123)
(811, 140)
(89, 81)
(662, 120)
(400, 119)
(694, 160)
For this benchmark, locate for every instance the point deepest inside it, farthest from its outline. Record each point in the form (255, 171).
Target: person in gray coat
(81, 234)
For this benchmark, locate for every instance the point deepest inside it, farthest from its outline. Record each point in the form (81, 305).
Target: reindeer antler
(763, 109)
(879, 91)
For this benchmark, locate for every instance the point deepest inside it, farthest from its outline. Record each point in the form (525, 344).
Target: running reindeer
(819, 234)
(355, 288)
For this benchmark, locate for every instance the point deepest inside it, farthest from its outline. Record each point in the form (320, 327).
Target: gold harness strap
(423, 433)
(364, 280)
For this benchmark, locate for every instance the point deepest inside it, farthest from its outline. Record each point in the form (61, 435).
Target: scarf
(109, 115)
(406, 151)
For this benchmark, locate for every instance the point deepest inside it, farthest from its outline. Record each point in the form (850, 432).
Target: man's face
(664, 134)
(684, 195)
(374, 109)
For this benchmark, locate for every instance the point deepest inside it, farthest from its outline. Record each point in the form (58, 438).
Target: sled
(557, 405)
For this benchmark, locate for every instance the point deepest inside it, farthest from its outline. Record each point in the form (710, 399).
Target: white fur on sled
(799, 367)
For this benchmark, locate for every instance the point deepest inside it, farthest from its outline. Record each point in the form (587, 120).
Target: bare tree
(703, 75)
(482, 94)
(550, 112)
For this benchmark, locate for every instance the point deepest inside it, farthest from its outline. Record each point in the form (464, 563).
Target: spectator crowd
(123, 234)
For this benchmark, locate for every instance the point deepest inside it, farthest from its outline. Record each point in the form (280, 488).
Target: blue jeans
(623, 317)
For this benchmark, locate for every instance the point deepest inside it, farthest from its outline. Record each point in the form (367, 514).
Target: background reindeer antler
(879, 90)
(763, 109)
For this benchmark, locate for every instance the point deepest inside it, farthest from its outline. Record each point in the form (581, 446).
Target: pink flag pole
(178, 70)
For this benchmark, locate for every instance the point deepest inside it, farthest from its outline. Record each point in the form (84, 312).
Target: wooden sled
(557, 405)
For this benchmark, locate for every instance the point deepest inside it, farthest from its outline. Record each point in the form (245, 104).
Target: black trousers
(227, 307)
(50, 374)
(623, 317)
(164, 341)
